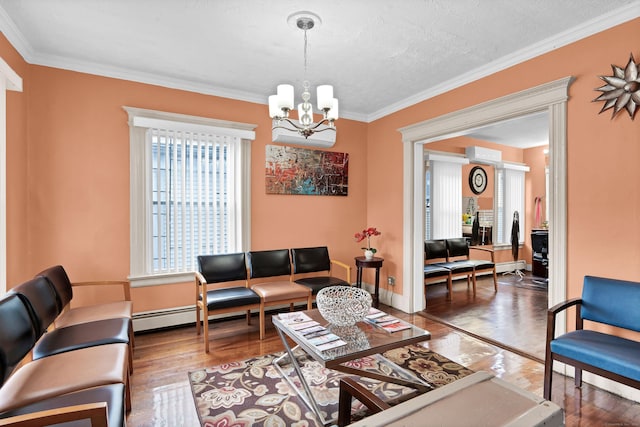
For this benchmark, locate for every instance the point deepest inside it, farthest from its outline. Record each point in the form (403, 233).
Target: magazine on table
(386, 321)
(313, 332)
(294, 317)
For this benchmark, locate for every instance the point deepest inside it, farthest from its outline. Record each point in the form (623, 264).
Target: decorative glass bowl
(343, 305)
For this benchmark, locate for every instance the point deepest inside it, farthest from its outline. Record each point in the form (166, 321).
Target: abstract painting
(291, 170)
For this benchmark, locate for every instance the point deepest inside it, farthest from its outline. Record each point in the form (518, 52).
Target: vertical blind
(446, 199)
(192, 202)
(510, 195)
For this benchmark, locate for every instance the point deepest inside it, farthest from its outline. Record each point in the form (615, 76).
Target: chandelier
(282, 103)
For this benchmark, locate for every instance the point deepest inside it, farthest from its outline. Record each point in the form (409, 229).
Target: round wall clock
(477, 180)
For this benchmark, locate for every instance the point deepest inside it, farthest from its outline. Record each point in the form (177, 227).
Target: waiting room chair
(436, 255)
(223, 269)
(267, 269)
(434, 274)
(26, 382)
(40, 299)
(460, 249)
(309, 262)
(69, 315)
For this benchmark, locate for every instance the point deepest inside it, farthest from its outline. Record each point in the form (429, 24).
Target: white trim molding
(140, 121)
(552, 97)
(9, 80)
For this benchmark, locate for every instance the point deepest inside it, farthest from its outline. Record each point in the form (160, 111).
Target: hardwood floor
(161, 394)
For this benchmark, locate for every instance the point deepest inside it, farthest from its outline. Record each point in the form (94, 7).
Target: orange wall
(603, 155)
(77, 174)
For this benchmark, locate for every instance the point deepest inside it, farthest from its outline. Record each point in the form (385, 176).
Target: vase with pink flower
(367, 233)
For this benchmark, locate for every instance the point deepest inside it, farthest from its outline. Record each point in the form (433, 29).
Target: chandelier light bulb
(285, 97)
(325, 97)
(332, 114)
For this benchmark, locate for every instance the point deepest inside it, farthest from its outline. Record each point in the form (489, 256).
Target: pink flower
(367, 233)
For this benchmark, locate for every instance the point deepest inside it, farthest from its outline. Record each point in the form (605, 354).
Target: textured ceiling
(380, 55)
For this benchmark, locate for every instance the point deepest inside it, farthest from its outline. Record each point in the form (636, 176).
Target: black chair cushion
(231, 297)
(17, 333)
(223, 267)
(269, 263)
(112, 394)
(457, 247)
(479, 264)
(433, 270)
(310, 260)
(83, 335)
(456, 266)
(42, 301)
(434, 249)
(317, 283)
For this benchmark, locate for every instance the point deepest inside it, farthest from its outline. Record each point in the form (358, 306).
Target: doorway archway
(551, 97)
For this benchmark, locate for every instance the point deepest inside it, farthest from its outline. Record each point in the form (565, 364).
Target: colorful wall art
(291, 170)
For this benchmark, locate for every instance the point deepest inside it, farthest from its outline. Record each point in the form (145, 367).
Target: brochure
(298, 326)
(322, 339)
(330, 345)
(397, 326)
(293, 317)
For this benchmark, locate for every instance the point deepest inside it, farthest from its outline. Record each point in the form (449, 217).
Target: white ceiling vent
(324, 139)
(483, 155)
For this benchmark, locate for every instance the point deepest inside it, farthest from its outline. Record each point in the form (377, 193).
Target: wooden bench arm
(350, 388)
(126, 286)
(95, 412)
(200, 280)
(484, 249)
(553, 311)
(343, 265)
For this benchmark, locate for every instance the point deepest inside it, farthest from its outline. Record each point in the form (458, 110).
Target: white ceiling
(380, 55)
(522, 132)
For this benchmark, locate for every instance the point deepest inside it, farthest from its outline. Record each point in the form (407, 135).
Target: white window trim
(9, 80)
(551, 97)
(139, 121)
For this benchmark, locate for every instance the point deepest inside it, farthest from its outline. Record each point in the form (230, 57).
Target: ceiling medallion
(622, 90)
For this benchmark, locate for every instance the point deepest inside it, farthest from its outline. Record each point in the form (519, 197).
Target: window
(443, 176)
(189, 193)
(509, 198)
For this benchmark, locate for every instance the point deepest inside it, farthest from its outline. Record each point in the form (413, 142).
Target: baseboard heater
(182, 316)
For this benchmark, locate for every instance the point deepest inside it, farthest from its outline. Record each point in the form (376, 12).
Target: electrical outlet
(391, 280)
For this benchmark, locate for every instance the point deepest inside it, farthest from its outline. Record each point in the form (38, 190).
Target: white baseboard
(503, 267)
(614, 387)
(159, 319)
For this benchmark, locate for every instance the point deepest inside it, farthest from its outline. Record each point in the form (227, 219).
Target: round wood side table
(375, 262)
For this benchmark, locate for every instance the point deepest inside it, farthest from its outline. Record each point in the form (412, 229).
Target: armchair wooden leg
(198, 319)
(205, 327)
(475, 281)
(449, 287)
(248, 315)
(548, 374)
(578, 377)
(350, 388)
(495, 280)
(262, 327)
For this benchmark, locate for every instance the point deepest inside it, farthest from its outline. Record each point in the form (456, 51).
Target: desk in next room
(375, 262)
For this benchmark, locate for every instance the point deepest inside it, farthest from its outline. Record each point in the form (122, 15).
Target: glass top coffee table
(332, 346)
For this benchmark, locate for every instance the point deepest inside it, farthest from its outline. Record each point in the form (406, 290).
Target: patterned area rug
(253, 393)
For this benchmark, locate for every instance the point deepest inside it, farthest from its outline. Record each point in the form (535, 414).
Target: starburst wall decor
(622, 90)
